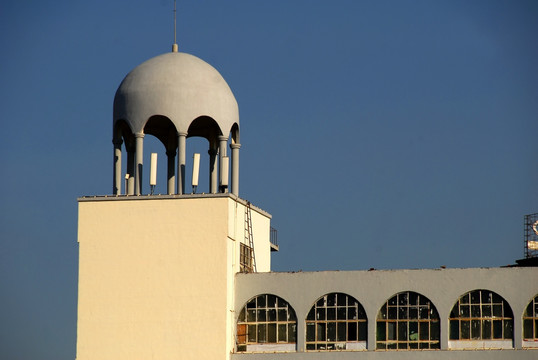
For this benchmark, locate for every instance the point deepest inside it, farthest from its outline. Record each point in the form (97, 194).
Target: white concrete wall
(156, 276)
(372, 288)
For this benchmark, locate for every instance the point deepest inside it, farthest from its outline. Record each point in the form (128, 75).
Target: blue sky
(385, 134)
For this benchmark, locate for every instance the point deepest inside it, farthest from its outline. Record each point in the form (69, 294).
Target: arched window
(407, 321)
(336, 322)
(481, 319)
(267, 323)
(530, 324)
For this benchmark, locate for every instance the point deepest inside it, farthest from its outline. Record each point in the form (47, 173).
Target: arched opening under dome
(175, 143)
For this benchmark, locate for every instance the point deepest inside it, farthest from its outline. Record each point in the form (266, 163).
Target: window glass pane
(475, 329)
(413, 313)
(464, 311)
(507, 311)
(282, 315)
(282, 333)
(402, 345)
(251, 333)
(454, 330)
(271, 315)
(497, 310)
(536, 329)
(352, 331)
(497, 329)
(486, 329)
(413, 331)
(402, 312)
(261, 315)
(262, 333)
(391, 331)
(475, 311)
(508, 329)
(381, 331)
(261, 301)
(393, 312)
(331, 313)
(424, 312)
(310, 332)
(251, 304)
(424, 331)
(341, 331)
(320, 314)
(391, 346)
(393, 300)
(331, 299)
(402, 299)
(464, 299)
(362, 330)
(434, 330)
(291, 315)
(292, 333)
(465, 329)
(402, 331)
(342, 313)
(281, 302)
(331, 331)
(381, 346)
(271, 332)
(320, 331)
(486, 310)
(251, 315)
(352, 313)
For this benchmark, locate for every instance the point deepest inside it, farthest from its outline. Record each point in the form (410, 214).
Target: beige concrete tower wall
(153, 278)
(261, 225)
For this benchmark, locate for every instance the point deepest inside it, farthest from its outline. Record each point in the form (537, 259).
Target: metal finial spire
(174, 46)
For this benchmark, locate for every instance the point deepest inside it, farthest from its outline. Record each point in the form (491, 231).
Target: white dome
(178, 86)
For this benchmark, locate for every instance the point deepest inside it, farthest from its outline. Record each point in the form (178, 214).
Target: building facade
(189, 275)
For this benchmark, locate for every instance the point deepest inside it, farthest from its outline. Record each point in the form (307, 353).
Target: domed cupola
(172, 97)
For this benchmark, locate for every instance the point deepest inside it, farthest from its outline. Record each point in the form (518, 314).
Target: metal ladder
(248, 234)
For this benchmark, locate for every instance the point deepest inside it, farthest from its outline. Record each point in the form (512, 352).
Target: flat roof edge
(96, 198)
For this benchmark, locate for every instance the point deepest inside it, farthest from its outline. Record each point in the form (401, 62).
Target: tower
(156, 272)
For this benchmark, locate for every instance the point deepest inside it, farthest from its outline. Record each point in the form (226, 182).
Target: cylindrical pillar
(139, 154)
(213, 175)
(171, 156)
(223, 140)
(116, 186)
(181, 151)
(235, 168)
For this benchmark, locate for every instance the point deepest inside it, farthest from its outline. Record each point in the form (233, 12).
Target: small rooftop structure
(174, 96)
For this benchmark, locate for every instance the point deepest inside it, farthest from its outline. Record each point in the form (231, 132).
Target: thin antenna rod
(174, 46)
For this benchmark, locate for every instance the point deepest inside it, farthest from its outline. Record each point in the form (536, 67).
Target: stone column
(116, 186)
(181, 150)
(139, 153)
(223, 140)
(235, 168)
